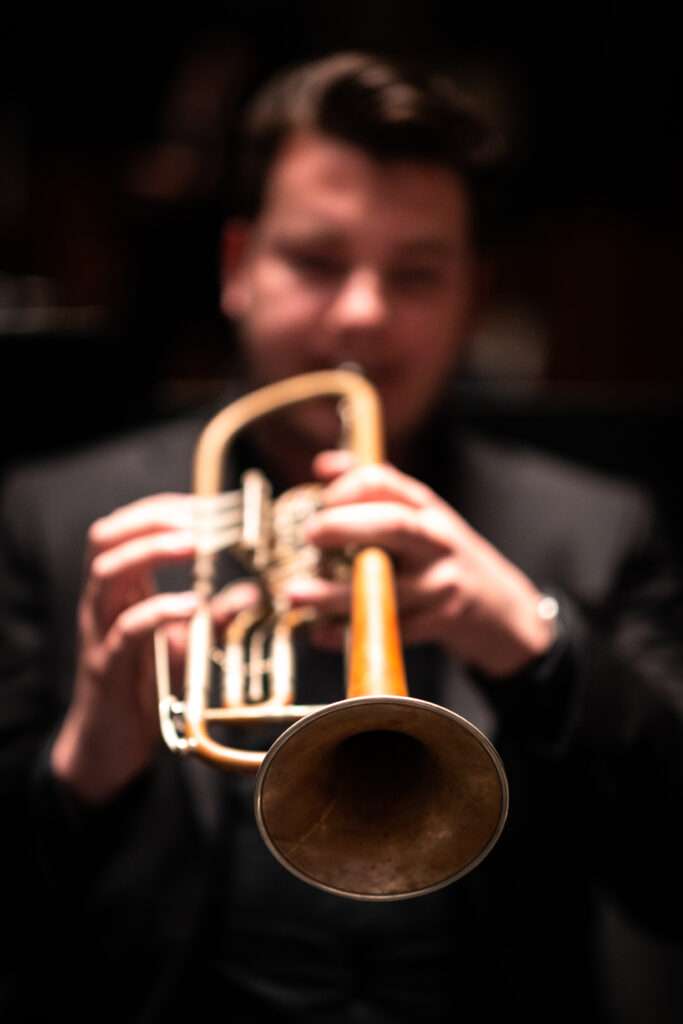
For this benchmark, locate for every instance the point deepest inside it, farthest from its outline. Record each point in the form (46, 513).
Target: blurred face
(353, 260)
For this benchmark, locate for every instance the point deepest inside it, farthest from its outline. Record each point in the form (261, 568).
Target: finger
(233, 599)
(224, 607)
(378, 482)
(119, 578)
(330, 464)
(176, 637)
(440, 583)
(329, 597)
(333, 598)
(142, 553)
(141, 620)
(148, 515)
(437, 586)
(395, 527)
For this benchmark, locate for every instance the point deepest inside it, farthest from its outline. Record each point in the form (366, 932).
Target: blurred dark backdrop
(116, 134)
(117, 130)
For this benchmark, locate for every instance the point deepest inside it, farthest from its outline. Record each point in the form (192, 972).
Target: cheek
(429, 345)
(430, 339)
(276, 338)
(280, 307)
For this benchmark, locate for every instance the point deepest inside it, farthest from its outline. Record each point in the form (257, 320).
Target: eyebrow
(412, 247)
(308, 236)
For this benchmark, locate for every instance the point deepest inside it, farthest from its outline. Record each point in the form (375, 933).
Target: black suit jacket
(119, 900)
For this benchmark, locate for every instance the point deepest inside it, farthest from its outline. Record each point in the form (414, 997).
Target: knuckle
(400, 522)
(115, 641)
(94, 660)
(242, 595)
(97, 533)
(437, 525)
(455, 604)
(374, 476)
(433, 517)
(449, 579)
(124, 632)
(98, 568)
(123, 628)
(228, 604)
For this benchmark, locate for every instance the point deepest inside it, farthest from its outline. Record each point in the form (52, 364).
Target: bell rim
(389, 699)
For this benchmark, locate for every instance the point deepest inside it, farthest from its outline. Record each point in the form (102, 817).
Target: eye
(319, 265)
(415, 276)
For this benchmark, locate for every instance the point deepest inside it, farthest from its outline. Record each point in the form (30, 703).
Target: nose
(361, 303)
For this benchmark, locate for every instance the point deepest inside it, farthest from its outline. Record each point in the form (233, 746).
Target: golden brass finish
(380, 796)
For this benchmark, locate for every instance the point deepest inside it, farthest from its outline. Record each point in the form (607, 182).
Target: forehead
(317, 182)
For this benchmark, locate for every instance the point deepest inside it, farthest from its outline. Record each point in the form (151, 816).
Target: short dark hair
(390, 109)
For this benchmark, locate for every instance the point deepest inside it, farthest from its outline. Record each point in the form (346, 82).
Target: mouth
(382, 376)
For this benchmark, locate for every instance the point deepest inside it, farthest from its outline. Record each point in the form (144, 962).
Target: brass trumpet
(379, 796)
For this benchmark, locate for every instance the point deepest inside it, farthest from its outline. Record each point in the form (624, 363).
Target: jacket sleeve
(629, 729)
(103, 886)
(603, 713)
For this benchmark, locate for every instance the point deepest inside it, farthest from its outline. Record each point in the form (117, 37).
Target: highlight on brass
(380, 796)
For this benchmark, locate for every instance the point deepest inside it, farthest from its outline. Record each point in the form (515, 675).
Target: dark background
(117, 128)
(117, 131)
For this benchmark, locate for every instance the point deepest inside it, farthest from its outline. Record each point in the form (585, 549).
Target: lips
(379, 375)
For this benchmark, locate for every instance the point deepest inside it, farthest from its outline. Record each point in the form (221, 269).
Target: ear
(234, 247)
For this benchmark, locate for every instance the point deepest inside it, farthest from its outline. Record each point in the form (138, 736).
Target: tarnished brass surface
(381, 798)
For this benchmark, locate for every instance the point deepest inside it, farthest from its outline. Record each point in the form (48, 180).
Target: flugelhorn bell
(380, 796)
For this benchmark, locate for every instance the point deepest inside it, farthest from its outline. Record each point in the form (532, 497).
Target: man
(360, 243)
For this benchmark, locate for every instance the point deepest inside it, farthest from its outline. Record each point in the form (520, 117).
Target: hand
(454, 588)
(111, 730)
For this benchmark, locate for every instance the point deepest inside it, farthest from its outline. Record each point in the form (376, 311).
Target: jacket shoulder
(535, 473)
(56, 495)
(556, 518)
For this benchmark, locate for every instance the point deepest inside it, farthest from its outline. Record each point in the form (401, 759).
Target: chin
(316, 424)
(402, 417)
